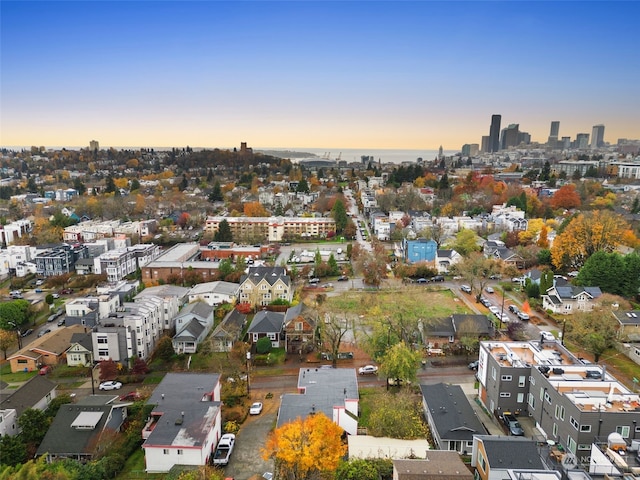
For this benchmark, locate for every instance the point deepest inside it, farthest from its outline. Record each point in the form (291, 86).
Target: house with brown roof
(47, 350)
(438, 465)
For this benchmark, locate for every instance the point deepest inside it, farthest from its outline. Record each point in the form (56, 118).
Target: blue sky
(316, 74)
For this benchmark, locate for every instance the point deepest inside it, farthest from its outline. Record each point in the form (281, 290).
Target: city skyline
(383, 75)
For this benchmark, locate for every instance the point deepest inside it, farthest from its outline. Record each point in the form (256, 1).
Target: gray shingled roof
(28, 394)
(438, 465)
(267, 322)
(512, 452)
(62, 439)
(200, 309)
(628, 317)
(453, 416)
(572, 291)
(181, 394)
(325, 388)
(191, 331)
(440, 327)
(231, 325)
(270, 274)
(478, 324)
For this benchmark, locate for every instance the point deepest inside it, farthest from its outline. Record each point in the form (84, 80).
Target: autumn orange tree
(566, 197)
(305, 448)
(600, 230)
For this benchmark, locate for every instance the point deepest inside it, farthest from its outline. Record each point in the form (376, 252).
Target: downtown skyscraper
(494, 133)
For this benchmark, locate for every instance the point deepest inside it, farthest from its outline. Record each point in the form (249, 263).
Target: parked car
(51, 318)
(61, 322)
(523, 316)
(44, 332)
(130, 396)
(512, 424)
(422, 280)
(494, 277)
(39, 282)
(397, 382)
(485, 302)
(437, 278)
(314, 281)
(255, 409)
(489, 290)
(66, 291)
(27, 332)
(55, 295)
(473, 365)
(547, 336)
(38, 290)
(495, 310)
(465, 288)
(513, 309)
(368, 370)
(111, 385)
(44, 370)
(343, 278)
(595, 374)
(504, 318)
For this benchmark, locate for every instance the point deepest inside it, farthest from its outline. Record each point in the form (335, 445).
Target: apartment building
(173, 298)
(273, 229)
(262, 285)
(572, 404)
(59, 260)
(117, 264)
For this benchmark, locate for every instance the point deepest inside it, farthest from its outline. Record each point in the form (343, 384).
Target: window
(22, 360)
(272, 336)
(557, 412)
(505, 394)
(180, 451)
(571, 444)
(493, 373)
(574, 422)
(165, 451)
(555, 429)
(521, 380)
(584, 446)
(532, 381)
(585, 428)
(547, 397)
(103, 353)
(506, 378)
(299, 326)
(483, 463)
(623, 430)
(102, 340)
(520, 398)
(562, 412)
(531, 401)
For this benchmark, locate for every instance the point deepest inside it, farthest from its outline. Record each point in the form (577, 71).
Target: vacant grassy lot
(412, 302)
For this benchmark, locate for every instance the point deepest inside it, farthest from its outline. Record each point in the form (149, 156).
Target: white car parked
(368, 370)
(255, 408)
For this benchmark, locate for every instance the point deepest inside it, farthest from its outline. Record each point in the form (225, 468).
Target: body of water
(355, 154)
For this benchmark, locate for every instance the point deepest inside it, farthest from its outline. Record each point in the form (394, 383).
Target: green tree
(56, 403)
(476, 269)
(339, 214)
(224, 232)
(110, 185)
(13, 314)
(333, 265)
(14, 451)
(546, 280)
(400, 362)
(605, 270)
(216, 193)
(79, 186)
(225, 268)
(135, 185)
(398, 416)
(33, 424)
(465, 242)
(164, 349)
(594, 331)
(49, 299)
(263, 345)
(303, 186)
(357, 469)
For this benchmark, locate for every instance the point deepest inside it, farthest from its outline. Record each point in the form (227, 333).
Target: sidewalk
(481, 413)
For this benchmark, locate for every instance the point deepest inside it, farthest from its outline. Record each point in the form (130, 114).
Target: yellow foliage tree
(305, 446)
(586, 234)
(607, 201)
(531, 233)
(254, 209)
(121, 182)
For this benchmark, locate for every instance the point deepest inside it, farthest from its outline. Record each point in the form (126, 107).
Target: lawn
(410, 302)
(7, 376)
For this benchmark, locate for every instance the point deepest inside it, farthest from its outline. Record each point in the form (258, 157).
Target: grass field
(411, 302)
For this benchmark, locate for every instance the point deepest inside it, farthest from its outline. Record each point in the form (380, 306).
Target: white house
(214, 293)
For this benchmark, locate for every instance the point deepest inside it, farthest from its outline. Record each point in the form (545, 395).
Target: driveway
(246, 460)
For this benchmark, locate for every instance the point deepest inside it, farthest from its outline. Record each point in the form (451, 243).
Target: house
(438, 465)
(36, 393)
(193, 324)
(420, 250)
(185, 424)
(262, 285)
(173, 298)
(214, 293)
(267, 324)
(445, 259)
(567, 299)
(80, 353)
(629, 324)
(47, 350)
(509, 257)
(300, 324)
(452, 420)
(228, 332)
(332, 391)
(493, 456)
(452, 328)
(83, 430)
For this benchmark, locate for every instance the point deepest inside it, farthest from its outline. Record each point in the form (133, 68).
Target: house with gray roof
(83, 430)
(452, 328)
(567, 299)
(452, 420)
(438, 465)
(493, 456)
(37, 393)
(445, 259)
(268, 324)
(193, 324)
(331, 391)
(214, 293)
(185, 424)
(80, 353)
(229, 331)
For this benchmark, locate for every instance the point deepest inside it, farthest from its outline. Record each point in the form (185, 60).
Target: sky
(374, 74)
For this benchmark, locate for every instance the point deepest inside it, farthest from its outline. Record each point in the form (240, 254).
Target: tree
(8, 339)
(357, 469)
(135, 185)
(612, 273)
(333, 265)
(566, 197)
(305, 448)
(594, 331)
(303, 186)
(398, 416)
(33, 424)
(332, 331)
(216, 193)
(263, 345)
(110, 185)
(586, 234)
(140, 366)
(255, 209)
(164, 349)
(476, 270)
(339, 214)
(108, 370)
(465, 242)
(224, 232)
(400, 362)
(13, 314)
(14, 451)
